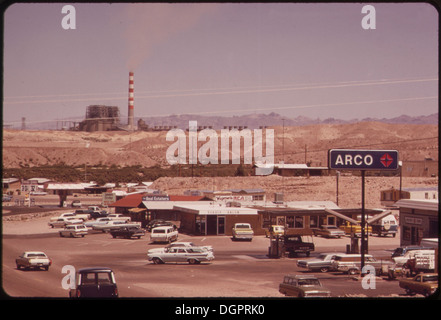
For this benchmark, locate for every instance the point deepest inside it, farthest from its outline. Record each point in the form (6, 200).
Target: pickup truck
(424, 283)
(82, 216)
(294, 244)
(127, 232)
(242, 231)
(33, 259)
(350, 228)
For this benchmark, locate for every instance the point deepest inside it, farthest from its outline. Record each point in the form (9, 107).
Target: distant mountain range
(251, 121)
(274, 119)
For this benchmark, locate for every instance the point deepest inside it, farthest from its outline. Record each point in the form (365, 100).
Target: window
(296, 222)
(103, 277)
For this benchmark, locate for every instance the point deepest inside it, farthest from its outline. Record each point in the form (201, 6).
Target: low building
(392, 195)
(418, 219)
(11, 185)
(215, 218)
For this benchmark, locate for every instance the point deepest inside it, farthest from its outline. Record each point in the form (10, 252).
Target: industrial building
(100, 118)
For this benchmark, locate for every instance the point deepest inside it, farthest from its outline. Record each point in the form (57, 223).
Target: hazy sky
(313, 60)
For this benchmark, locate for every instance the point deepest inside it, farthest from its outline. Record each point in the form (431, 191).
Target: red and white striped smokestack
(131, 100)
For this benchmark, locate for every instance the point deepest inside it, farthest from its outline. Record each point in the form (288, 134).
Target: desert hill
(294, 144)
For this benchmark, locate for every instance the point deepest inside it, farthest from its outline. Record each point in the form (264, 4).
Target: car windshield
(159, 231)
(308, 282)
(242, 226)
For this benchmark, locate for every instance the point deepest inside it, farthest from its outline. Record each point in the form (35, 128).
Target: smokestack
(131, 99)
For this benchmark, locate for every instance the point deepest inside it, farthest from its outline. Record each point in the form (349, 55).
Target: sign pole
(363, 219)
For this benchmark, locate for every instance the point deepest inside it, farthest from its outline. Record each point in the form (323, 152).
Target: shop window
(295, 222)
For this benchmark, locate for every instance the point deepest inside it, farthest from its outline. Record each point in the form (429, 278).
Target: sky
(295, 59)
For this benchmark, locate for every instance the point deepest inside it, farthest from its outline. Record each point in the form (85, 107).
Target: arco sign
(344, 159)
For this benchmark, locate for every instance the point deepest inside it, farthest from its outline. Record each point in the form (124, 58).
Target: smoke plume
(154, 23)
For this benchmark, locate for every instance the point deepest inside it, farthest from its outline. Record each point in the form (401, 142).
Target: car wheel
(409, 292)
(157, 261)
(193, 261)
(324, 269)
(352, 271)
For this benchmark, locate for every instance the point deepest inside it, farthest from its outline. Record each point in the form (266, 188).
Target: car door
(181, 255)
(170, 256)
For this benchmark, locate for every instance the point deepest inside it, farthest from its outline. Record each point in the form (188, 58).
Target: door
(220, 225)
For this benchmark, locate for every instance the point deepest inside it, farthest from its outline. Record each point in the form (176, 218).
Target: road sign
(344, 159)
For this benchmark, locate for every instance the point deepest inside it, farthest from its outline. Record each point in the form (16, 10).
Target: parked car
(118, 216)
(164, 234)
(160, 223)
(329, 231)
(114, 224)
(6, 198)
(295, 244)
(128, 232)
(303, 286)
(242, 231)
(401, 251)
(180, 244)
(96, 222)
(423, 283)
(74, 230)
(322, 263)
(275, 230)
(63, 222)
(351, 263)
(78, 214)
(76, 204)
(192, 255)
(94, 283)
(33, 259)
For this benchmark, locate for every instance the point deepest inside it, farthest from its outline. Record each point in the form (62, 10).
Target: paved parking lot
(240, 269)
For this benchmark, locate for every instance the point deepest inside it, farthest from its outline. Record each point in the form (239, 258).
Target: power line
(365, 145)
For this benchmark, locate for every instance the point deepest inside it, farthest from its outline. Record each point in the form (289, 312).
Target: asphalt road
(240, 269)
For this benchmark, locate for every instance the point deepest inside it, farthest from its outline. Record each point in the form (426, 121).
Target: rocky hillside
(294, 144)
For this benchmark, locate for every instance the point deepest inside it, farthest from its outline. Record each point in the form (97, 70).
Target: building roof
(129, 201)
(422, 204)
(214, 209)
(65, 186)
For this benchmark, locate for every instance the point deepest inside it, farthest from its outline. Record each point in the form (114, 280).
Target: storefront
(214, 219)
(418, 220)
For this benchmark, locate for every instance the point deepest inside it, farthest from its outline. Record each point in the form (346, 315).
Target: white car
(191, 255)
(164, 234)
(113, 224)
(180, 244)
(63, 222)
(33, 259)
(74, 230)
(99, 221)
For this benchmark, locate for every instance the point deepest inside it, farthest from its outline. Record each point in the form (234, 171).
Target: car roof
(34, 252)
(95, 269)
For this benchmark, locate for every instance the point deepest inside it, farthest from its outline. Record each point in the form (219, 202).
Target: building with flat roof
(418, 219)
